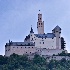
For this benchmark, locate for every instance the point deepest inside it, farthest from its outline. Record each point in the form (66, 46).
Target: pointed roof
(57, 27)
(31, 30)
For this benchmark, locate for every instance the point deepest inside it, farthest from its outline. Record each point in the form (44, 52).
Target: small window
(13, 47)
(30, 52)
(39, 23)
(21, 47)
(28, 47)
(25, 47)
(56, 31)
(40, 18)
(6, 50)
(32, 47)
(32, 38)
(26, 52)
(34, 42)
(31, 35)
(17, 47)
(43, 42)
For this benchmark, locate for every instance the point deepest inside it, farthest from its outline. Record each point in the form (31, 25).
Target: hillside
(16, 62)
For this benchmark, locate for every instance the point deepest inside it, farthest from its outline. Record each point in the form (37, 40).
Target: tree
(62, 43)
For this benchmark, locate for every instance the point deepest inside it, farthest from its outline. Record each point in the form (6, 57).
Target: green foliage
(62, 43)
(18, 62)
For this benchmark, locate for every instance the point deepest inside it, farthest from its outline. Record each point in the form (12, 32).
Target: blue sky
(17, 16)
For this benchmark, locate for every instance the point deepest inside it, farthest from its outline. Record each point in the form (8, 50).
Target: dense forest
(16, 62)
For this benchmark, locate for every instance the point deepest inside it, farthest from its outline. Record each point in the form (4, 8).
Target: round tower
(40, 24)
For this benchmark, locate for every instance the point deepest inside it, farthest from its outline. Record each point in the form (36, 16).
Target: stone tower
(31, 35)
(57, 32)
(40, 24)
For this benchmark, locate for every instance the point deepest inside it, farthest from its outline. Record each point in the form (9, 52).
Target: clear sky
(17, 16)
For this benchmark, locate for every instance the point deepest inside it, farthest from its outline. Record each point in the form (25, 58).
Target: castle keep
(41, 43)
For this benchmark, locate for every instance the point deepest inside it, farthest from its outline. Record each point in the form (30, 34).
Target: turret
(57, 32)
(31, 35)
(40, 24)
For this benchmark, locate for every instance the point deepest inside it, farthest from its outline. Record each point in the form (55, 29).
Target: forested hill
(16, 62)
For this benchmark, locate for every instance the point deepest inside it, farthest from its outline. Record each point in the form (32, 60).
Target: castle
(41, 43)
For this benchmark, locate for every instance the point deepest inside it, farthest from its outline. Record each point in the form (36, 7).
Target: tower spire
(31, 30)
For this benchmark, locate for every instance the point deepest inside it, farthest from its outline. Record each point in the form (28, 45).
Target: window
(43, 42)
(34, 42)
(26, 52)
(39, 23)
(32, 38)
(13, 47)
(32, 47)
(21, 47)
(40, 18)
(28, 47)
(17, 47)
(40, 42)
(30, 52)
(25, 47)
(56, 31)
(31, 35)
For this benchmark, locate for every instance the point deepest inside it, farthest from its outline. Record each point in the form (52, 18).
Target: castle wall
(7, 50)
(47, 43)
(20, 50)
(50, 51)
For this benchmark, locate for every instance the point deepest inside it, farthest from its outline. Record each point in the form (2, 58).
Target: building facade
(41, 43)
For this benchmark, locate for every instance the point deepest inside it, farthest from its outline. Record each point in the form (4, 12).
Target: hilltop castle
(41, 43)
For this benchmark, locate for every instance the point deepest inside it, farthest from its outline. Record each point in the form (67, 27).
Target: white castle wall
(20, 50)
(47, 43)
